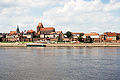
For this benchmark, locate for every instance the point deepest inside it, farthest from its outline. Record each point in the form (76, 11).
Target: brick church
(44, 30)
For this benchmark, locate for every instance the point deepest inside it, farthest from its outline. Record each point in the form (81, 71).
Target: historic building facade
(44, 30)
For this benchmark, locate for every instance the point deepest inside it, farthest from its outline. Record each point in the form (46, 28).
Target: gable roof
(13, 32)
(47, 29)
(92, 34)
(57, 32)
(30, 31)
(110, 34)
(77, 33)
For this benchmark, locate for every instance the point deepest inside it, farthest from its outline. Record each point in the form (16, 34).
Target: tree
(88, 39)
(80, 39)
(117, 37)
(68, 34)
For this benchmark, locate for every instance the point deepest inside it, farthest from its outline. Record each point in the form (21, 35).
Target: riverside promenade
(64, 45)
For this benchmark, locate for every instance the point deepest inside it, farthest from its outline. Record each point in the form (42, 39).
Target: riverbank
(65, 45)
(12, 44)
(85, 45)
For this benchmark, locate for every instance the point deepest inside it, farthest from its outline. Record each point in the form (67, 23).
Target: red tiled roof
(30, 31)
(77, 32)
(57, 32)
(47, 29)
(12, 32)
(91, 34)
(109, 34)
(117, 33)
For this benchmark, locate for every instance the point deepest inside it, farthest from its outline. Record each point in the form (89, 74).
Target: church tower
(40, 25)
(17, 30)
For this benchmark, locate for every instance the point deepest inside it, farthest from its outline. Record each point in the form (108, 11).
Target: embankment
(65, 45)
(12, 45)
(85, 45)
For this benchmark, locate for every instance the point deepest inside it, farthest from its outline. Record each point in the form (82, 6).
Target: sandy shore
(65, 45)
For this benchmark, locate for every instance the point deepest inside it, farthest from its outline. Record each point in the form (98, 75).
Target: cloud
(14, 12)
(92, 15)
(74, 15)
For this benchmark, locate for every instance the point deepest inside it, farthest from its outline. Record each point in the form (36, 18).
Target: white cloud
(81, 13)
(112, 6)
(75, 15)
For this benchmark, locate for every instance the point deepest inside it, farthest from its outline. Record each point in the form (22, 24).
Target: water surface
(95, 63)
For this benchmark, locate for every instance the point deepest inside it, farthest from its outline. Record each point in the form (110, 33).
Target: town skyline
(50, 35)
(74, 15)
(35, 29)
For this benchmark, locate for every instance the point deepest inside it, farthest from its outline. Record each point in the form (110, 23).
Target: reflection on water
(94, 63)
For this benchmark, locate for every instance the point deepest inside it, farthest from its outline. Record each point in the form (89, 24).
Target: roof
(118, 33)
(30, 31)
(12, 32)
(57, 32)
(91, 34)
(47, 29)
(77, 33)
(110, 34)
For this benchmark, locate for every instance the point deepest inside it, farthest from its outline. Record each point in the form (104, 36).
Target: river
(85, 63)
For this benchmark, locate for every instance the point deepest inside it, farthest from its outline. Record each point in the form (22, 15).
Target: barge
(35, 45)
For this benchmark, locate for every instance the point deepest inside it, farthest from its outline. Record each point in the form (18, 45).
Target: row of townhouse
(86, 37)
(30, 36)
(110, 37)
(48, 34)
(95, 37)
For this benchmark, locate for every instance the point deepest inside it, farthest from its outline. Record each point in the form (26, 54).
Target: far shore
(19, 44)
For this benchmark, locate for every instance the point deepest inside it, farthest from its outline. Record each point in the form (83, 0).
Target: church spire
(17, 30)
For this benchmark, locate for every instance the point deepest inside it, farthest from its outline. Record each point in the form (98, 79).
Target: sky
(66, 15)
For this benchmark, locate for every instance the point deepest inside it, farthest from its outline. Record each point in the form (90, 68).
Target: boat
(35, 45)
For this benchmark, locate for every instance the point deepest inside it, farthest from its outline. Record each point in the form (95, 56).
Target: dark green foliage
(88, 40)
(80, 39)
(59, 39)
(37, 36)
(117, 37)
(68, 34)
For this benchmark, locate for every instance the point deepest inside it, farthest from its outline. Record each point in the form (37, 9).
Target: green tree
(117, 37)
(68, 34)
(80, 39)
(88, 40)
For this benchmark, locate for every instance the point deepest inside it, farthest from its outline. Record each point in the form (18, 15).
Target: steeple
(40, 25)
(17, 30)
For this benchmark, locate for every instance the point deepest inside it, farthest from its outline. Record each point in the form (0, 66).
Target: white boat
(35, 45)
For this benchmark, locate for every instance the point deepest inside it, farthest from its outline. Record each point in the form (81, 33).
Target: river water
(90, 63)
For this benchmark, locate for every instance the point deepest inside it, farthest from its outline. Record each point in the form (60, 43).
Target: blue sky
(73, 15)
